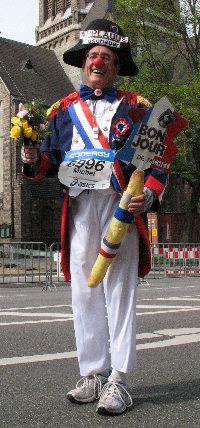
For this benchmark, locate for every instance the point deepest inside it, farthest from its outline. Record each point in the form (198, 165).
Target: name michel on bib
(87, 168)
(94, 166)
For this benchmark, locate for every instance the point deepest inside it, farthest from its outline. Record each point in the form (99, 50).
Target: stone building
(59, 25)
(30, 211)
(26, 72)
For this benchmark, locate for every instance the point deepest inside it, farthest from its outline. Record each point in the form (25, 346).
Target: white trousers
(105, 316)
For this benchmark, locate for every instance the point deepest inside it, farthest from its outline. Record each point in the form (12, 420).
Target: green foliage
(185, 97)
(37, 114)
(169, 64)
(162, 29)
(30, 124)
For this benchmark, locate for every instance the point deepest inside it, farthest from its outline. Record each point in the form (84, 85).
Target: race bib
(87, 169)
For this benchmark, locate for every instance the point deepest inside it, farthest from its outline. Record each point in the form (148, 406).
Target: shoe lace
(85, 382)
(112, 388)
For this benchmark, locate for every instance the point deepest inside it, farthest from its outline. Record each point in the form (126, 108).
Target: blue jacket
(59, 141)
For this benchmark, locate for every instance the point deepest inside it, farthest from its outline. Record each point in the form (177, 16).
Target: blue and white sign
(147, 139)
(87, 168)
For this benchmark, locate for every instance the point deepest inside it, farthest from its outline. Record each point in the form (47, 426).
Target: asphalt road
(38, 362)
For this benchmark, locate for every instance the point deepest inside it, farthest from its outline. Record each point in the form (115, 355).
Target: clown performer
(87, 128)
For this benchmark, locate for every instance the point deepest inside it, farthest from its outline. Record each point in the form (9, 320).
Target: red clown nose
(98, 62)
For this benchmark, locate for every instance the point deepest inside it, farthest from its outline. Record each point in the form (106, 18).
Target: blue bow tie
(108, 94)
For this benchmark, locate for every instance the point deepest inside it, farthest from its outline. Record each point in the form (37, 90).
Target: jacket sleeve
(49, 152)
(156, 180)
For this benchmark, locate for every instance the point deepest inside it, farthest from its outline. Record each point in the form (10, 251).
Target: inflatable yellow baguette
(118, 228)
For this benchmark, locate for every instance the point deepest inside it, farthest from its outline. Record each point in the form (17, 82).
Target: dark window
(53, 7)
(48, 9)
(67, 4)
(5, 231)
(58, 6)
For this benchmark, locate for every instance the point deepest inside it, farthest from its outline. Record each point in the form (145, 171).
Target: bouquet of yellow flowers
(30, 124)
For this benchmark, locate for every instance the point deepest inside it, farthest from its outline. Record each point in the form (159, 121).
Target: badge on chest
(87, 168)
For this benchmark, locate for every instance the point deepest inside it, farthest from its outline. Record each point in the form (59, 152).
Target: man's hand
(137, 204)
(142, 203)
(30, 154)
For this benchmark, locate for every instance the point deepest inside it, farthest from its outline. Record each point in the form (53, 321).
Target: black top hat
(105, 33)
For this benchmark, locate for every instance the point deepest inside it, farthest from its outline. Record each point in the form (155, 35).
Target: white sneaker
(87, 389)
(114, 399)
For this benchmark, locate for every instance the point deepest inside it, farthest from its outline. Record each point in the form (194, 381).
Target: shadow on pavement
(169, 393)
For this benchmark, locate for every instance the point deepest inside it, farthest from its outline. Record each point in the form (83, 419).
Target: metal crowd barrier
(30, 262)
(34, 262)
(175, 259)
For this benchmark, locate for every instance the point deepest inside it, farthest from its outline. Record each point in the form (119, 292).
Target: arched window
(59, 6)
(49, 9)
(67, 3)
(45, 6)
(53, 7)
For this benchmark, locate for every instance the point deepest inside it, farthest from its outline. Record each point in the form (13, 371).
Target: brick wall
(6, 150)
(32, 209)
(41, 210)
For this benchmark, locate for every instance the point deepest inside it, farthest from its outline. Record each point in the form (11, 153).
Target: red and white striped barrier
(179, 272)
(177, 252)
(176, 259)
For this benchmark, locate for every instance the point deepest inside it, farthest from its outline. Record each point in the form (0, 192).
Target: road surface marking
(180, 336)
(36, 314)
(168, 312)
(35, 322)
(35, 307)
(177, 299)
(163, 306)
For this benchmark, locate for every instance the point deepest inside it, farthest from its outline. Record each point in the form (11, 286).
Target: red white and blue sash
(84, 121)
